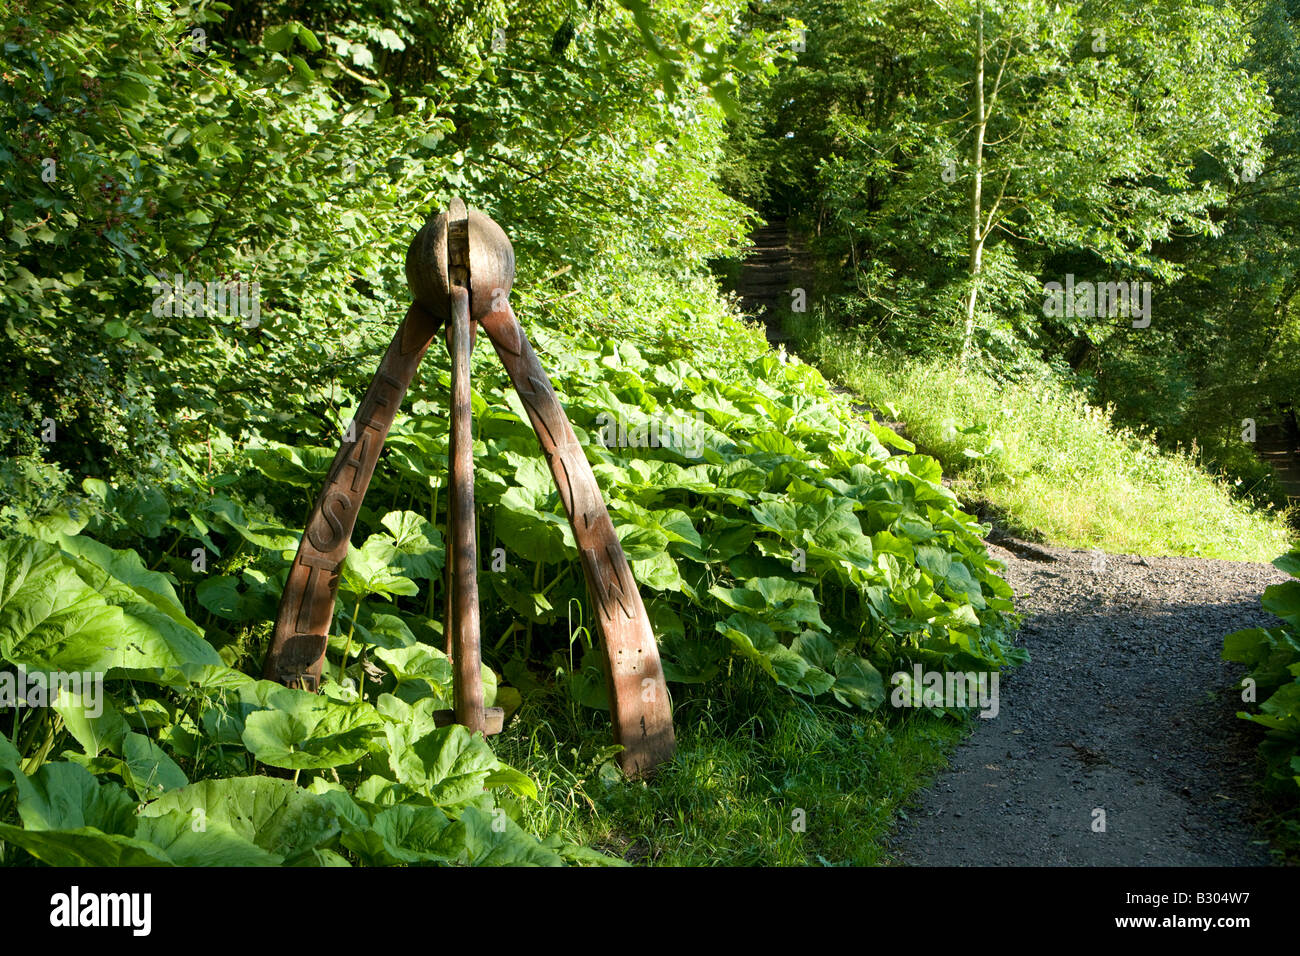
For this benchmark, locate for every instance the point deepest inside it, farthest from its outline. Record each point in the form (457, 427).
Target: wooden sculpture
(460, 268)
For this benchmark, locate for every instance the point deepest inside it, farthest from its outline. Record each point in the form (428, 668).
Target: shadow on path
(1125, 708)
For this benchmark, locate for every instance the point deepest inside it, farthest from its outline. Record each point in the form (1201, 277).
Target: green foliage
(211, 722)
(758, 780)
(1227, 345)
(1111, 144)
(770, 516)
(913, 137)
(774, 528)
(162, 459)
(1273, 656)
(302, 154)
(1050, 464)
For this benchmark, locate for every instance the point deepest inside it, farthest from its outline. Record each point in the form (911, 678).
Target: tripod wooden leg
(638, 695)
(463, 619)
(297, 653)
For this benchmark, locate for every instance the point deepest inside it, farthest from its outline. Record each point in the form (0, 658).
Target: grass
(1049, 464)
(761, 778)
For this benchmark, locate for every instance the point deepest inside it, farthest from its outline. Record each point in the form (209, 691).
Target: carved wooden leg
(297, 653)
(638, 696)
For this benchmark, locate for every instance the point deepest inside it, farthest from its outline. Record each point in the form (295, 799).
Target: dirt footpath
(1125, 709)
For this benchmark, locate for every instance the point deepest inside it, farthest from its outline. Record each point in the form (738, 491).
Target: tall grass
(761, 778)
(1050, 464)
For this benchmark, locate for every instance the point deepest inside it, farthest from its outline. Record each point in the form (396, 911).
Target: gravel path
(1125, 707)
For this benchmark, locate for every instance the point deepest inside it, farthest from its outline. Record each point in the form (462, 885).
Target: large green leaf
(189, 839)
(64, 796)
(493, 839)
(85, 846)
(658, 573)
(61, 613)
(262, 533)
(1284, 601)
(830, 523)
(413, 544)
(122, 578)
(816, 649)
(151, 770)
(403, 835)
(448, 764)
(366, 570)
(782, 603)
(384, 630)
(858, 683)
(11, 762)
(417, 718)
(220, 595)
(105, 730)
(223, 721)
(532, 534)
(1289, 562)
(274, 815)
(301, 467)
(421, 664)
(50, 619)
(411, 835)
(307, 732)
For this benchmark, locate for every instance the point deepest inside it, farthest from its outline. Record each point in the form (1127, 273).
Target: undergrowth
(1272, 693)
(760, 779)
(790, 554)
(1051, 466)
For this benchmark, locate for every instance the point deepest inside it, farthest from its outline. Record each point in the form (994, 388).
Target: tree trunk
(976, 189)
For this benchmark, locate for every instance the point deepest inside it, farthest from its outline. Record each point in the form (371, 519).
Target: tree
(300, 147)
(1037, 132)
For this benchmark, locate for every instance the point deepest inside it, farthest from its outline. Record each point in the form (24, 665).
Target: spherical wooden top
(491, 266)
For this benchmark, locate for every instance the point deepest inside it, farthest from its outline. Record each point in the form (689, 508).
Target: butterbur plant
(814, 548)
(889, 567)
(1273, 684)
(182, 762)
